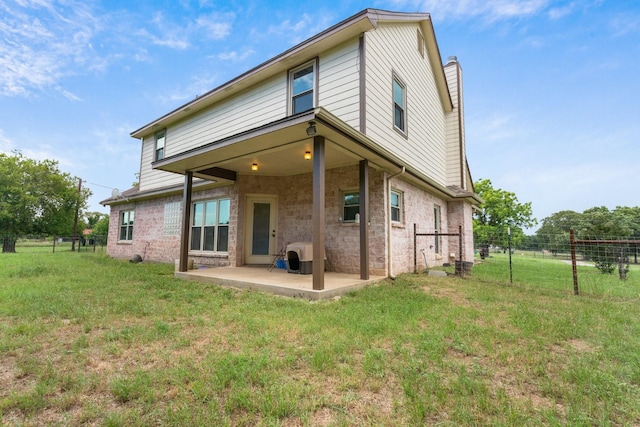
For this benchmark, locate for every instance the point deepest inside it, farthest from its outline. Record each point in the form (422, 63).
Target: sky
(552, 88)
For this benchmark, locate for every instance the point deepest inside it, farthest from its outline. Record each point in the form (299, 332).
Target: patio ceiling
(278, 149)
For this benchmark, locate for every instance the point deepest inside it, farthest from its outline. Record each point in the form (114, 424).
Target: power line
(98, 185)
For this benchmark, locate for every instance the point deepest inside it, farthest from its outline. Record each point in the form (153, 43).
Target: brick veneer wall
(342, 240)
(295, 199)
(418, 208)
(148, 228)
(461, 213)
(149, 239)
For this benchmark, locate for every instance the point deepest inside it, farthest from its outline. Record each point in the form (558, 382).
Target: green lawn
(550, 274)
(85, 339)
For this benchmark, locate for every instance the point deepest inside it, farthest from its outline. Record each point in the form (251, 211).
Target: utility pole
(75, 219)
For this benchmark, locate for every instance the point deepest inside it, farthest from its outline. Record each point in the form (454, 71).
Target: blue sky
(552, 88)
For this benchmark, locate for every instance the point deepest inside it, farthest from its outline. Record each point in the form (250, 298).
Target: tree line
(37, 198)
(502, 213)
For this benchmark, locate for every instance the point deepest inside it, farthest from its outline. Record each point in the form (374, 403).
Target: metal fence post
(415, 249)
(572, 239)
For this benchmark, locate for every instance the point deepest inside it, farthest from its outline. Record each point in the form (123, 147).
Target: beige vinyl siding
(339, 82)
(150, 178)
(456, 170)
(254, 107)
(262, 104)
(392, 48)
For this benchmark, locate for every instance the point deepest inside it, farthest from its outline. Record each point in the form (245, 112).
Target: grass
(85, 339)
(550, 274)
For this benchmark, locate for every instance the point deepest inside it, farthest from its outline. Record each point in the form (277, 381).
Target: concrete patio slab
(279, 282)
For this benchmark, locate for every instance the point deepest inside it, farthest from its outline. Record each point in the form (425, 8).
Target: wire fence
(600, 265)
(55, 244)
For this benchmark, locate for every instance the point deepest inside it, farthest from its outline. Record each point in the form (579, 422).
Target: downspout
(390, 226)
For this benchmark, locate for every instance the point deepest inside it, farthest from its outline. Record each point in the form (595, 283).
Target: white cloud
(199, 85)
(561, 12)
(42, 42)
(178, 35)
(215, 26)
(623, 25)
(489, 10)
(496, 128)
(166, 33)
(70, 96)
(6, 144)
(297, 31)
(236, 56)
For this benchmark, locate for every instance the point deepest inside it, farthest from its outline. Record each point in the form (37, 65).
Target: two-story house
(345, 141)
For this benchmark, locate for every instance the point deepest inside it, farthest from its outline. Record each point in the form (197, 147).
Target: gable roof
(353, 26)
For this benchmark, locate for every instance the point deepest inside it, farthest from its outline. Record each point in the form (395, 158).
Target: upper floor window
(302, 82)
(126, 225)
(399, 105)
(159, 152)
(395, 202)
(210, 225)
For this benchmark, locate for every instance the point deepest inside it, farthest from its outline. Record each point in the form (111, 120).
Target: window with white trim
(302, 81)
(126, 225)
(436, 226)
(395, 202)
(399, 105)
(210, 225)
(160, 139)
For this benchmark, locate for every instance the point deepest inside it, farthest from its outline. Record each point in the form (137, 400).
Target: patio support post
(318, 215)
(364, 219)
(186, 221)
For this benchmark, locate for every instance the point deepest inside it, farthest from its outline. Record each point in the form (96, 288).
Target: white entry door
(260, 235)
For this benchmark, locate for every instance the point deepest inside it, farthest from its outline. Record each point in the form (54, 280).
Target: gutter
(390, 225)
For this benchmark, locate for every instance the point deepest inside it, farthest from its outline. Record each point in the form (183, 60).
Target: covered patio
(277, 149)
(279, 282)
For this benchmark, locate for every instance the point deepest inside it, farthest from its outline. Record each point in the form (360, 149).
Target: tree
(554, 232)
(597, 223)
(600, 223)
(93, 218)
(501, 210)
(36, 198)
(101, 228)
(629, 218)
